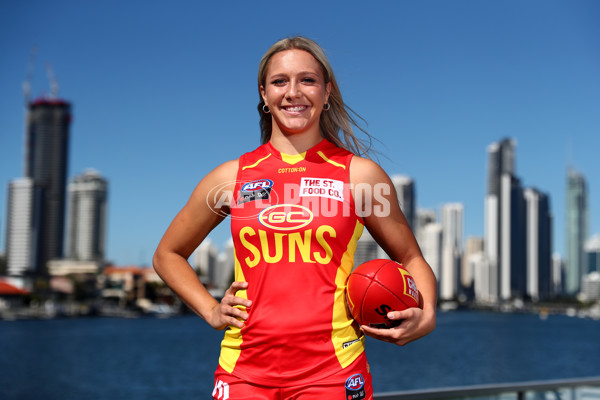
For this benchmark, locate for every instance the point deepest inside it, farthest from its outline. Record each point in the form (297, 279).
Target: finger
(236, 312)
(234, 287)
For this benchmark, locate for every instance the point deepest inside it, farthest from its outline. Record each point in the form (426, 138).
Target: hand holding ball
(377, 287)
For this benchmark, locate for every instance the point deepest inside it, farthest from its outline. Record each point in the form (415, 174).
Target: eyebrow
(300, 73)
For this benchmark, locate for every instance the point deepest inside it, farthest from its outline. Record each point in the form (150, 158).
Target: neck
(295, 143)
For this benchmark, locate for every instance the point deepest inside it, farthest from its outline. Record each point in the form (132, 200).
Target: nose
(293, 89)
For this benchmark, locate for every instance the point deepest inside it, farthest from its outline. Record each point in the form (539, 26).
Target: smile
(295, 108)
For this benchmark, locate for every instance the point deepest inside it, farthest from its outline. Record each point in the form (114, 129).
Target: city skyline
(437, 83)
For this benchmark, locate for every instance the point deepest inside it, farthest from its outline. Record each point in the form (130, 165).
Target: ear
(263, 94)
(327, 91)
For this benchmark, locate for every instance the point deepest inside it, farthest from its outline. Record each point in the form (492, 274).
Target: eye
(278, 82)
(309, 80)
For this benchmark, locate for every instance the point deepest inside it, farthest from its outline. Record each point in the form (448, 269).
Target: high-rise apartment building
(431, 247)
(46, 156)
(86, 217)
(592, 254)
(366, 249)
(21, 237)
(577, 230)
(204, 260)
(425, 216)
(506, 224)
(405, 189)
(473, 246)
(557, 275)
(538, 245)
(498, 208)
(452, 236)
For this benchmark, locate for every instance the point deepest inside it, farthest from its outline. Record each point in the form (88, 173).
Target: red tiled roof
(8, 289)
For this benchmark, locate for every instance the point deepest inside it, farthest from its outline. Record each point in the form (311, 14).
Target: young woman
(298, 205)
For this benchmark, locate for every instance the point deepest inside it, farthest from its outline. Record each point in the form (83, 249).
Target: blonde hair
(333, 122)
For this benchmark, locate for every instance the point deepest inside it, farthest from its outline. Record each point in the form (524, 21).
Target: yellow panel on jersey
(293, 158)
(349, 343)
(294, 231)
(232, 341)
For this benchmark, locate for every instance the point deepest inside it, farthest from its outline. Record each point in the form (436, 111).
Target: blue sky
(163, 92)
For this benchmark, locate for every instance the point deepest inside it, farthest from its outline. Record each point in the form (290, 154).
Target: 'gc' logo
(285, 217)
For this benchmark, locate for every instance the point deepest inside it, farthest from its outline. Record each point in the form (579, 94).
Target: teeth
(297, 108)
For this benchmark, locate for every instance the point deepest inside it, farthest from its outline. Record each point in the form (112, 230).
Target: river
(174, 358)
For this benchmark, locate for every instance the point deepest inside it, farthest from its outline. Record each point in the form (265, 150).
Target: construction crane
(53, 81)
(29, 76)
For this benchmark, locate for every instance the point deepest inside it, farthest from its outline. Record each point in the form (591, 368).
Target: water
(145, 359)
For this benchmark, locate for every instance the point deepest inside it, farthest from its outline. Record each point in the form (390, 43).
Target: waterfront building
(224, 274)
(86, 217)
(405, 189)
(473, 245)
(538, 244)
(431, 247)
(592, 253)
(590, 286)
(204, 260)
(367, 249)
(452, 237)
(558, 275)
(46, 157)
(21, 239)
(485, 278)
(577, 230)
(503, 227)
(425, 216)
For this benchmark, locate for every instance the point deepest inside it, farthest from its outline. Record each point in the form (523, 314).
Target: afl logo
(262, 184)
(255, 190)
(285, 217)
(355, 382)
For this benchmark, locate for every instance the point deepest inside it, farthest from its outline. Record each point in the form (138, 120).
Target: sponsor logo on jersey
(311, 246)
(290, 170)
(285, 217)
(255, 190)
(347, 344)
(355, 387)
(321, 187)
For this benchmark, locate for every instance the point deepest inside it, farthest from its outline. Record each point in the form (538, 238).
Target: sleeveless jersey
(294, 229)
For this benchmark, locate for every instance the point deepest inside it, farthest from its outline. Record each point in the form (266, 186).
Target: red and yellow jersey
(295, 229)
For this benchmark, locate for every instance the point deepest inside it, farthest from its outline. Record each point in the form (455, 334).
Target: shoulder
(218, 182)
(364, 170)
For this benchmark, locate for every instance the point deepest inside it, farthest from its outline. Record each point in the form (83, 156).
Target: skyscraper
(452, 236)
(405, 189)
(20, 234)
(577, 230)
(498, 202)
(473, 246)
(46, 156)
(538, 244)
(431, 246)
(86, 218)
(592, 254)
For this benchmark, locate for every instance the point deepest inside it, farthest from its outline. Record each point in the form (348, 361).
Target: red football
(378, 287)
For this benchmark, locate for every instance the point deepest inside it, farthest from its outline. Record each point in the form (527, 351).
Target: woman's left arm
(375, 194)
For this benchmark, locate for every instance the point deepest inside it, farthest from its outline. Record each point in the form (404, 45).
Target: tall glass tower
(86, 219)
(452, 237)
(405, 189)
(46, 156)
(499, 206)
(577, 230)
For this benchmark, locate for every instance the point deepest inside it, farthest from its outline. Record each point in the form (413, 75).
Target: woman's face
(295, 91)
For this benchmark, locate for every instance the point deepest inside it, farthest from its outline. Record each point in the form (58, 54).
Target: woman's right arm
(204, 210)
